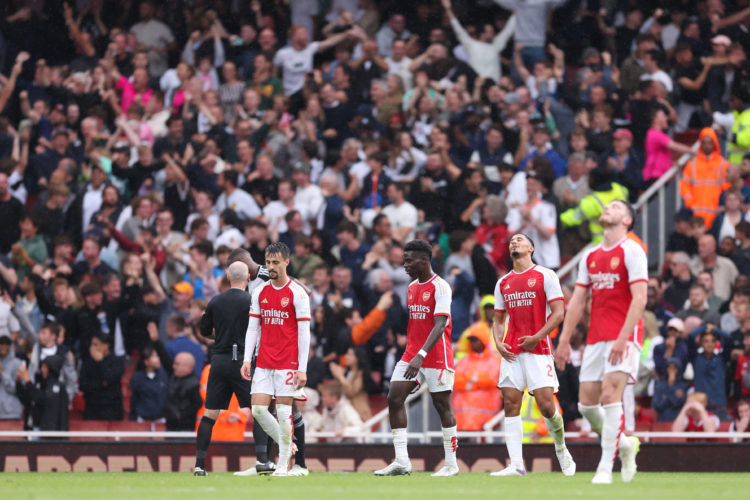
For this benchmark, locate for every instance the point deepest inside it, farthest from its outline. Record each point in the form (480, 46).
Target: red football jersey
(739, 373)
(526, 297)
(279, 310)
(610, 272)
(427, 300)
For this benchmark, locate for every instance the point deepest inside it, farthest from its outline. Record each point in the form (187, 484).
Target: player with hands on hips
(280, 315)
(530, 297)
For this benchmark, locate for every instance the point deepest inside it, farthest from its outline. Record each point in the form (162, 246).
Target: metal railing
(487, 436)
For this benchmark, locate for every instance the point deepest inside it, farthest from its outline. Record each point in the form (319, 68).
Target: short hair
(54, 328)
(528, 238)
(178, 322)
(90, 288)
(577, 158)
(743, 227)
(230, 176)
(332, 387)
(419, 246)
(256, 223)
(278, 248)
(457, 238)
(204, 247)
(237, 272)
(197, 223)
(290, 215)
(347, 226)
(378, 219)
(631, 211)
(699, 286)
(681, 257)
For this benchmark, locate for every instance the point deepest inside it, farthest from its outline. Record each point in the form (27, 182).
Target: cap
(4, 339)
(721, 40)
(530, 174)
(675, 361)
(59, 131)
(301, 166)
(677, 324)
(395, 118)
(589, 52)
(623, 133)
(541, 127)
(512, 98)
(684, 214)
(183, 287)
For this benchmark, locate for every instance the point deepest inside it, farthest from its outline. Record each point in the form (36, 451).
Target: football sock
(299, 438)
(613, 425)
(286, 430)
(262, 441)
(399, 443)
(450, 444)
(514, 440)
(555, 426)
(267, 421)
(595, 416)
(202, 440)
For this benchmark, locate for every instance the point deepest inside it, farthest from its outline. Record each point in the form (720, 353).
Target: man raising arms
(617, 273)
(280, 314)
(428, 358)
(530, 295)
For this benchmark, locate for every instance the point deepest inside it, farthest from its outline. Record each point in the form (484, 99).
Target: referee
(226, 320)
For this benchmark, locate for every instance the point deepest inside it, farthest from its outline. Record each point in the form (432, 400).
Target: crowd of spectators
(142, 141)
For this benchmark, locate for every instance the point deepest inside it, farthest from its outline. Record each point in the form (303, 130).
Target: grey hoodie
(531, 19)
(10, 406)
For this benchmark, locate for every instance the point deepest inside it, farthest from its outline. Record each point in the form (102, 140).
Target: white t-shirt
(295, 65)
(241, 202)
(311, 198)
(276, 210)
(402, 216)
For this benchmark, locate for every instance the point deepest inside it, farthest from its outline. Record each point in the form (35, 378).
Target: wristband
(422, 353)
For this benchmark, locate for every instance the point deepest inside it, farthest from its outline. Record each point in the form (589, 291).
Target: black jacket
(100, 383)
(46, 401)
(183, 402)
(149, 395)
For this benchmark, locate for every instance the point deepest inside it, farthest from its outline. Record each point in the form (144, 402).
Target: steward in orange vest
(230, 425)
(704, 178)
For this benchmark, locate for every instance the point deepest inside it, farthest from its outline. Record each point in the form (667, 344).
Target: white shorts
(528, 370)
(438, 380)
(277, 383)
(596, 364)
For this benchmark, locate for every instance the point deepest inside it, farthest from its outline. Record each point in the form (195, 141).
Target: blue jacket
(710, 374)
(148, 395)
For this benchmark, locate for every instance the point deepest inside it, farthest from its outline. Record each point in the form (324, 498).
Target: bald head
(183, 364)
(238, 273)
(706, 246)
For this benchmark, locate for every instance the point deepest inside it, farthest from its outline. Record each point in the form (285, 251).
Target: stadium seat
(687, 137)
(665, 427)
(129, 426)
(642, 426)
(89, 425)
(11, 425)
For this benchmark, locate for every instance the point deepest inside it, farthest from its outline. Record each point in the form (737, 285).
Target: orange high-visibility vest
(223, 429)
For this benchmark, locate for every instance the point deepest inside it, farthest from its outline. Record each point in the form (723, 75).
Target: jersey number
(549, 370)
(289, 378)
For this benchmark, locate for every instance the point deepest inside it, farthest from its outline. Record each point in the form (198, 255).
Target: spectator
(339, 416)
(670, 392)
(474, 398)
(674, 348)
(697, 305)
(709, 357)
(11, 212)
(722, 269)
(682, 238)
(235, 199)
(741, 377)
(659, 148)
(714, 301)
(356, 380)
(10, 405)
(91, 267)
(180, 340)
(742, 417)
(304, 261)
(149, 389)
(694, 417)
(394, 29)
(183, 394)
(624, 162)
(725, 223)
(45, 400)
(50, 344)
(530, 30)
(154, 35)
(541, 146)
(100, 381)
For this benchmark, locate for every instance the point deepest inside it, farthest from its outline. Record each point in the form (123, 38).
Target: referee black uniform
(226, 318)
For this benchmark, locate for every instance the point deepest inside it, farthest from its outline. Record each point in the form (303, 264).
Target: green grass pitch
(361, 486)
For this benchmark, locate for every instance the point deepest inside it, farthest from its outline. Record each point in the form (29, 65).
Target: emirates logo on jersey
(614, 262)
(531, 282)
(426, 296)
(285, 302)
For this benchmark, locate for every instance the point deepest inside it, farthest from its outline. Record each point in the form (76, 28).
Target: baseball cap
(721, 40)
(512, 98)
(301, 166)
(183, 287)
(623, 133)
(541, 127)
(677, 324)
(684, 214)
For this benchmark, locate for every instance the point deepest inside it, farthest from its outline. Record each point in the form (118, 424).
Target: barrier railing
(486, 436)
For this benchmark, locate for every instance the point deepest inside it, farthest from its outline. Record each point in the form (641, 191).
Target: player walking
(531, 297)
(617, 273)
(280, 315)
(428, 358)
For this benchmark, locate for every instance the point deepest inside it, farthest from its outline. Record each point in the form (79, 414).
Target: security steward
(225, 320)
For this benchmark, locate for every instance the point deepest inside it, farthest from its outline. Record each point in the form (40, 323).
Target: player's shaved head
(237, 272)
(240, 255)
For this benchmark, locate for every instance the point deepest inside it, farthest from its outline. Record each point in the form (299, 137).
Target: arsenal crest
(426, 296)
(285, 302)
(410, 297)
(531, 282)
(614, 262)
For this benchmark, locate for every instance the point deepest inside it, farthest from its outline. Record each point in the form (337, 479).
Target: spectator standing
(154, 36)
(531, 22)
(10, 404)
(149, 388)
(670, 392)
(11, 213)
(46, 400)
(722, 269)
(100, 381)
(659, 148)
(183, 394)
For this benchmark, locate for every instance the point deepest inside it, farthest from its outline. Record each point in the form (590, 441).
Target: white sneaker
(395, 469)
(567, 464)
(627, 457)
(446, 471)
(299, 471)
(602, 477)
(259, 469)
(510, 470)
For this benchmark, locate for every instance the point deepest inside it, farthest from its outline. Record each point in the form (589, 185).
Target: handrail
(647, 436)
(381, 417)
